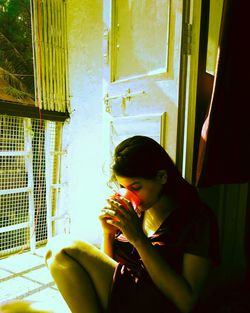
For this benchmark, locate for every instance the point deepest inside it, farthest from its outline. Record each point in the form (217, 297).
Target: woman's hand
(105, 215)
(123, 216)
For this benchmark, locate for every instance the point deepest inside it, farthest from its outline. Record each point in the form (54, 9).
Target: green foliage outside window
(16, 57)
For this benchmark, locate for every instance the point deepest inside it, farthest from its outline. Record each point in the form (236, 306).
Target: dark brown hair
(142, 156)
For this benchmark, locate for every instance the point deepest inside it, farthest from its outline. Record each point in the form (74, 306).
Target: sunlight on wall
(84, 135)
(88, 200)
(90, 79)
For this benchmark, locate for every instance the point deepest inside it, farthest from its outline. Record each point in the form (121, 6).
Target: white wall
(83, 134)
(86, 190)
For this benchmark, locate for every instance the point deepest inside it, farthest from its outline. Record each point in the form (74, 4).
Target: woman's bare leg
(83, 274)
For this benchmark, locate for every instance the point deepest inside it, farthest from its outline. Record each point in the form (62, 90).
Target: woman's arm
(109, 232)
(107, 244)
(183, 290)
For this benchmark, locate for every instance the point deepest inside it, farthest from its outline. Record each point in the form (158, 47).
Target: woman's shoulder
(193, 211)
(201, 213)
(202, 230)
(189, 199)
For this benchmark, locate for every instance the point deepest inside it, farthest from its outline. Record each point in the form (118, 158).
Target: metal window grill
(30, 161)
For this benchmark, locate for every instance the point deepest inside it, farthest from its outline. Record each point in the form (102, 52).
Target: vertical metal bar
(34, 45)
(65, 45)
(50, 61)
(39, 53)
(113, 39)
(63, 73)
(57, 165)
(163, 130)
(52, 47)
(48, 178)
(29, 168)
(59, 52)
(46, 54)
(55, 48)
(180, 145)
(36, 50)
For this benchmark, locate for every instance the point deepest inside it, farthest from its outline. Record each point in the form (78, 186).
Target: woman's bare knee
(64, 249)
(81, 264)
(55, 250)
(68, 245)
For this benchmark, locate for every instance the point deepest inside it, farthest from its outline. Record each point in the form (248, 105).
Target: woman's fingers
(107, 212)
(117, 213)
(113, 210)
(120, 205)
(127, 203)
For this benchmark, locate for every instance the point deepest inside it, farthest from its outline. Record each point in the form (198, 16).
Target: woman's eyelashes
(131, 188)
(137, 188)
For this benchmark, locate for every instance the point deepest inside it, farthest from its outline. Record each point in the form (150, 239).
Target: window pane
(30, 153)
(141, 37)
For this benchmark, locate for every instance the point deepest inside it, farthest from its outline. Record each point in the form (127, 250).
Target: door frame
(191, 47)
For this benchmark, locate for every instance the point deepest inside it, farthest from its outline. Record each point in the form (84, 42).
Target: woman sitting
(158, 247)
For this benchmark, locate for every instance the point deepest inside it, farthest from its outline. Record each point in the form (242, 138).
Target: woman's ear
(162, 176)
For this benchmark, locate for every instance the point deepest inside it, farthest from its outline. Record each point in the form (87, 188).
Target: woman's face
(149, 191)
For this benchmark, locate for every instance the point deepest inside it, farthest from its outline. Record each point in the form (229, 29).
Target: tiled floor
(26, 277)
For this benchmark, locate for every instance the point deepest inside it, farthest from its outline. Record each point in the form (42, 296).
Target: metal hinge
(187, 39)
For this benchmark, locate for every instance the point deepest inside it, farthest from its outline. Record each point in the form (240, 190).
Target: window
(35, 28)
(30, 138)
(30, 182)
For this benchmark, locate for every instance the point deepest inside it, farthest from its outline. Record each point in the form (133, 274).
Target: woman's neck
(154, 217)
